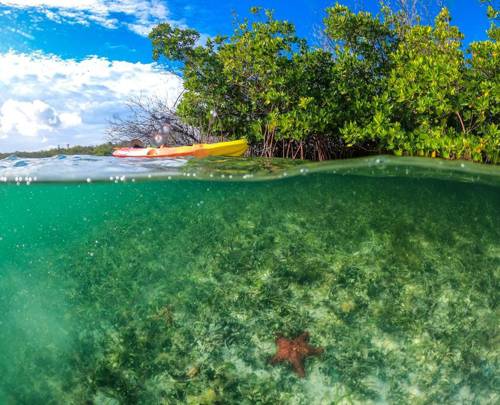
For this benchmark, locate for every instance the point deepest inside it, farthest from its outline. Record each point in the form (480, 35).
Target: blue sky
(66, 66)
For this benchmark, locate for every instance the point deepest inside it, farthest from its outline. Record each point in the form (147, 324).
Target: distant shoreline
(104, 149)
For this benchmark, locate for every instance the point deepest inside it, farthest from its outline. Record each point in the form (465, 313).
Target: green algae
(173, 291)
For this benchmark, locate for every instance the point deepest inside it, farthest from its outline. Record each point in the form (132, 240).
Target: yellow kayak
(232, 148)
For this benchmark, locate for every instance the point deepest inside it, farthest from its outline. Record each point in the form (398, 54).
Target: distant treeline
(99, 150)
(382, 83)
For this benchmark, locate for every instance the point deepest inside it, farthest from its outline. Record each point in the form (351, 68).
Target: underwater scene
(238, 281)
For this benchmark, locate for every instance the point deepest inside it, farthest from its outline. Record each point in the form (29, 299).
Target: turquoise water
(150, 282)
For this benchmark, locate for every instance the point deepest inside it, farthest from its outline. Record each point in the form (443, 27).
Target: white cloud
(143, 14)
(45, 98)
(27, 118)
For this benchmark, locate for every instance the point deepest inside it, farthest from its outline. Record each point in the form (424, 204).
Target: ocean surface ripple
(82, 168)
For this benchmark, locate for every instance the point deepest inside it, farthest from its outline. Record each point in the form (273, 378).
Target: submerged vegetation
(383, 83)
(181, 299)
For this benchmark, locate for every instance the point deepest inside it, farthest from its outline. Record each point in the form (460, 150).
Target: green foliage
(238, 86)
(435, 101)
(369, 38)
(380, 84)
(421, 92)
(481, 99)
(175, 43)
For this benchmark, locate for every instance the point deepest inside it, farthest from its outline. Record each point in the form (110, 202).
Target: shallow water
(174, 290)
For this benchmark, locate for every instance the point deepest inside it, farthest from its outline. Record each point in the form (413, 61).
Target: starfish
(295, 351)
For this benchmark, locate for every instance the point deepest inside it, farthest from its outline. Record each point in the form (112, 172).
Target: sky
(69, 66)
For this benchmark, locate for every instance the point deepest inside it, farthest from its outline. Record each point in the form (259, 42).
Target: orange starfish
(295, 351)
